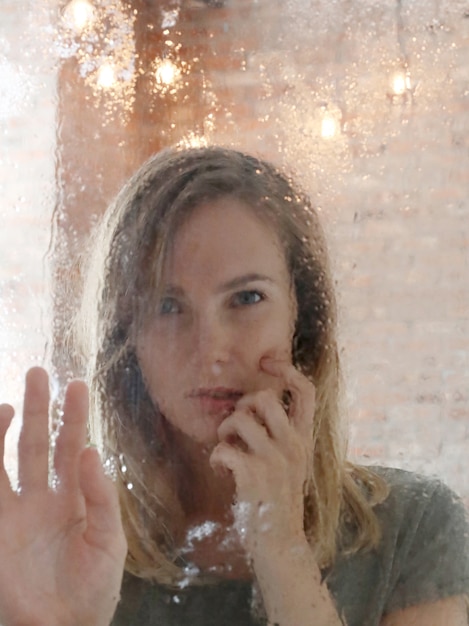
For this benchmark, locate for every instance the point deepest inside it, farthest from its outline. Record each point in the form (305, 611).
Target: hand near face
(62, 550)
(268, 452)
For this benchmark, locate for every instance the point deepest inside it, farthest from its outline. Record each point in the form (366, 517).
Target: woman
(209, 330)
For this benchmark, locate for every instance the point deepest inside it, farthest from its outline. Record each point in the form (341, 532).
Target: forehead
(222, 237)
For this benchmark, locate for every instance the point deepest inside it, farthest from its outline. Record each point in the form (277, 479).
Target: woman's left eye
(247, 297)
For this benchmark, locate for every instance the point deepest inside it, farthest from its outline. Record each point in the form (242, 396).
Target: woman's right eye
(169, 306)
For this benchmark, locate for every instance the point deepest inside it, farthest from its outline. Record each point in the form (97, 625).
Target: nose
(213, 342)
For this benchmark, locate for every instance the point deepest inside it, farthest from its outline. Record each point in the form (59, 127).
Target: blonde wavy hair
(129, 251)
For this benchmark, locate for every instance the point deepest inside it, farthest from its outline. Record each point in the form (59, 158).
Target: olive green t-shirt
(423, 556)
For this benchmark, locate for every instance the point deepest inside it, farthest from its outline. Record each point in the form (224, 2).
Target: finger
(33, 443)
(242, 425)
(226, 457)
(302, 390)
(6, 415)
(268, 409)
(72, 436)
(102, 501)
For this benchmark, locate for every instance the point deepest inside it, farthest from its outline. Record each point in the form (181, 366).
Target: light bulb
(192, 140)
(400, 83)
(78, 14)
(329, 127)
(106, 76)
(167, 72)
(196, 141)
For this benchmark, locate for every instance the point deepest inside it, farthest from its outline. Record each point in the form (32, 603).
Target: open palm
(62, 550)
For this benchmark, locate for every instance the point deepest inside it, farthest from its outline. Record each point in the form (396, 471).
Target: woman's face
(227, 301)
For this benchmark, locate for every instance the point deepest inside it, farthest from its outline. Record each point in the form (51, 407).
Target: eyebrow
(239, 281)
(242, 280)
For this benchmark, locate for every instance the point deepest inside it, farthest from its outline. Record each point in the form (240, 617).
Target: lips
(216, 400)
(217, 392)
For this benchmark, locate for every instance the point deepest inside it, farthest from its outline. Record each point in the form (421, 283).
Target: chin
(203, 439)
(207, 440)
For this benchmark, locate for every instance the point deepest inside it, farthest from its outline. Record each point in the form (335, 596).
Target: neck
(203, 493)
(210, 541)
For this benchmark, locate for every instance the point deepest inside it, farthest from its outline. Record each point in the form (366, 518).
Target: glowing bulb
(329, 127)
(400, 83)
(79, 13)
(196, 141)
(191, 140)
(167, 72)
(106, 76)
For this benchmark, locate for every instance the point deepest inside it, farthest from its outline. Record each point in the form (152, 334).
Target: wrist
(290, 549)
(292, 588)
(275, 564)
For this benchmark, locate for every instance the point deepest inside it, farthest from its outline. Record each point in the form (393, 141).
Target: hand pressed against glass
(62, 549)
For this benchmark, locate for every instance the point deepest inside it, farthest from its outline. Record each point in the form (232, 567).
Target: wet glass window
(365, 103)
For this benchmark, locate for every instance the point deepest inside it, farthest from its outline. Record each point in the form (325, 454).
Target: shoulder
(425, 538)
(399, 478)
(422, 555)
(419, 502)
(405, 486)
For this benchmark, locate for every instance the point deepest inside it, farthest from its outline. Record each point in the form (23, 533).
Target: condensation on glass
(366, 103)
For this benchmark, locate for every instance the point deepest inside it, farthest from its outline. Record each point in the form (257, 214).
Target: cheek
(155, 348)
(156, 379)
(282, 329)
(271, 337)
(150, 360)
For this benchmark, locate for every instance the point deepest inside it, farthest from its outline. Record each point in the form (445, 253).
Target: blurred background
(366, 102)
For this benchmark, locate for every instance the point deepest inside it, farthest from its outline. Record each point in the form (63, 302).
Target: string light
(167, 73)
(401, 87)
(193, 140)
(329, 127)
(330, 117)
(106, 76)
(107, 58)
(78, 14)
(400, 82)
(101, 37)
